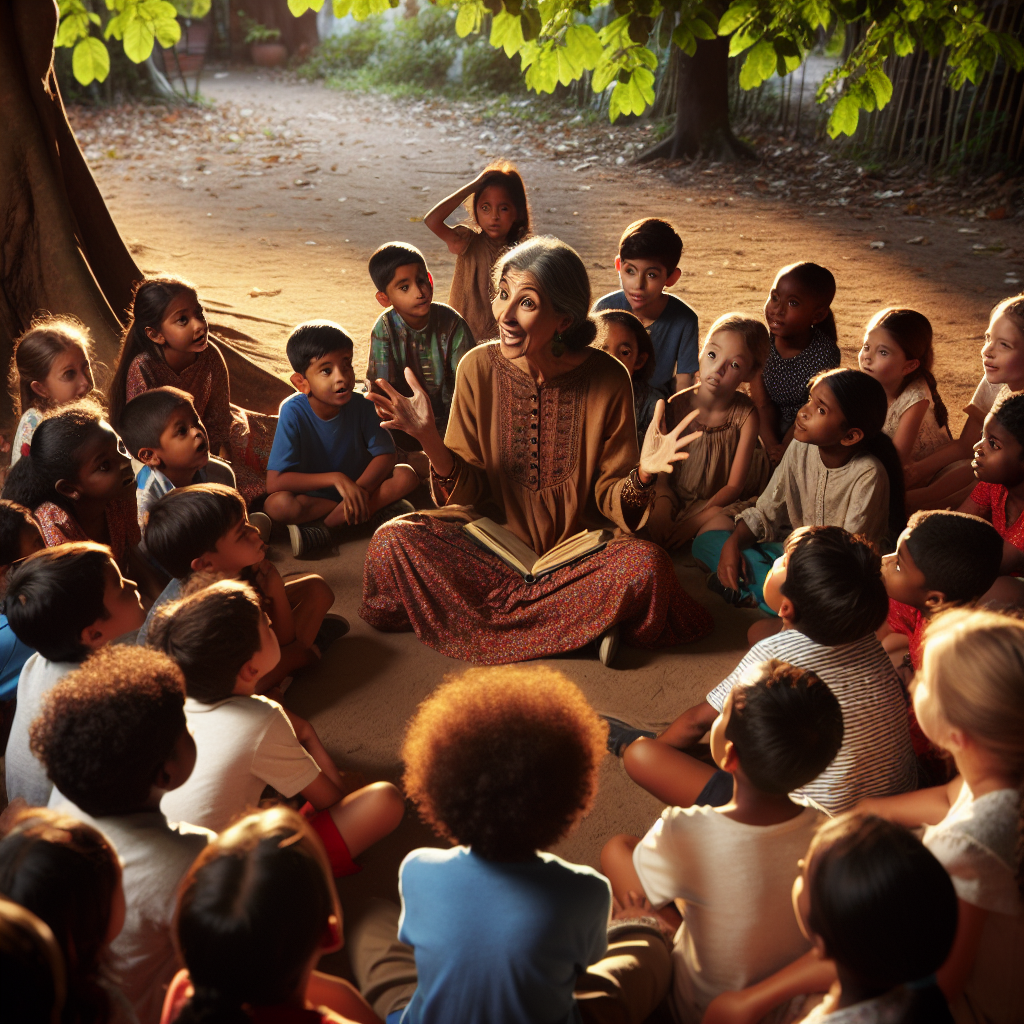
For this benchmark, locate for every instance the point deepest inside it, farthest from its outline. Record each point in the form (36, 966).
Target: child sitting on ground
(504, 761)
(828, 630)
(969, 699)
(414, 331)
(256, 912)
(496, 198)
(881, 914)
(622, 335)
(19, 537)
(724, 469)
(647, 264)
(167, 343)
(50, 368)
(332, 463)
(803, 331)
(114, 739)
(942, 559)
(64, 603)
(77, 483)
(69, 876)
(897, 352)
(221, 640)
(164, 434)
(1002, 357)
(205, 528)
(733, 866)
(840, 470)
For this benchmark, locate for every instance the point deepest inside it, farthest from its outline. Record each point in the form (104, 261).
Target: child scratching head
(873, 899)
(51, 364)
(255, 912)
(165, 316)
(800, 300)
(897, 350)
(499, 205)
(504, 760)
(734, 349)
(999, 454)
(621, 334)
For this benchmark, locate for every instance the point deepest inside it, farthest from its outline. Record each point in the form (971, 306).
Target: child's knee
(389, 803)
(280, 506)
(406, 478)
(615, 851)
(636, 758)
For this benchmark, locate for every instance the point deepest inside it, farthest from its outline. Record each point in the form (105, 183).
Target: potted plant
(264, 46)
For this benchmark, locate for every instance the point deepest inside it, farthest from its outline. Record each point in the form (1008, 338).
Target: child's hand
(732, 566)
(661, 450)
(355, 501)
(636, 905)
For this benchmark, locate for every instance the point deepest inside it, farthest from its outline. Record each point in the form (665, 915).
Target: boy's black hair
(642, 337)
(189, 522)
(652, 239)
(834, 581)
(786, 726)
(313, 340)
(144, 418)
(384, 263)
(13, 519)
(106, 729)
(210, 633)
(884, 906)
(54, 594)
(958, 554)
(1008, 412)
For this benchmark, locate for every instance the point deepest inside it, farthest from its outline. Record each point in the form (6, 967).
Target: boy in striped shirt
(831, 599)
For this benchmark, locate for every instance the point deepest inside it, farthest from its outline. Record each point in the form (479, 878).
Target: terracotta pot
(269, 55)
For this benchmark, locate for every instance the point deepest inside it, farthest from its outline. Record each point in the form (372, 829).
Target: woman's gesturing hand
(412, 415)
(661, 450)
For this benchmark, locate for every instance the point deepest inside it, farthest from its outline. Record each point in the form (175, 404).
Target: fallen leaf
(257, 293)
(876, 245)
(917, 240)
(999, 213)
(272, 159)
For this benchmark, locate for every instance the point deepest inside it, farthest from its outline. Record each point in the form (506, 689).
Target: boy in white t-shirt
(113, 737)
(224, 644)
(733, 866)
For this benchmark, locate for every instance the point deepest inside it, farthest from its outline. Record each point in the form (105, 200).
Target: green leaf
(1012, 50)
(90, 61)
(880, 85)
(684, 39)
(530, 22)
(507, 33)
(138, 40)
(542, 75)
(736, 14)
(742, 41)
(468, 19)
(167, 32)
(759, 65)
(844, 117)
(702, 30)
(73, 27)
(299, 7)
(585, 46)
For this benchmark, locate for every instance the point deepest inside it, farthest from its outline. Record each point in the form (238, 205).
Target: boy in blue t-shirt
(332, 463)
(647, 264)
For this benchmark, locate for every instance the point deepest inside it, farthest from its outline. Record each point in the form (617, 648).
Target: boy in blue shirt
(647, 264)
(332, 463)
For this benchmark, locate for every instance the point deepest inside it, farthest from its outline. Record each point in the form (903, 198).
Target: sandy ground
(251, 198)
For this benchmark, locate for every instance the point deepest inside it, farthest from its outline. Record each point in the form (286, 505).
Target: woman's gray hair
(562, 278)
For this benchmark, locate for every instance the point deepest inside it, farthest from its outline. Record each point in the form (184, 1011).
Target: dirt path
(288, 187)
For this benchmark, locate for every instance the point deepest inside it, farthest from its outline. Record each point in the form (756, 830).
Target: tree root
(719, 145)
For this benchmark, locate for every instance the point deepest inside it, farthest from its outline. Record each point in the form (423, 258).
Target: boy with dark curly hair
(113, 737)
(503, 762)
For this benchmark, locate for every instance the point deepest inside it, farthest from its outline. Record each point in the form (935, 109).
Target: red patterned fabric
(991, 499)
(911, 623)
(60, 527)
(424, 574)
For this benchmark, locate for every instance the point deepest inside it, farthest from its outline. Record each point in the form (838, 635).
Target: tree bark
(60, 251)
(702, 109)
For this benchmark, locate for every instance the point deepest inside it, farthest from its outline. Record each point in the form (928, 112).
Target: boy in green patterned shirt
(416, 332)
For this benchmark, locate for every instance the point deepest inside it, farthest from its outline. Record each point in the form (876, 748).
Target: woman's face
(526, 322)
(70, 377)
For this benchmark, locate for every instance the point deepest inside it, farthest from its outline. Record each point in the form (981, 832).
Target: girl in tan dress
(725, 471)
(497, 199)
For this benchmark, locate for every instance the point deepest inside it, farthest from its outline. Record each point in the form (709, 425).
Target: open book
(519, 556)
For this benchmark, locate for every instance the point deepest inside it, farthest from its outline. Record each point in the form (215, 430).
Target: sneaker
(308, 537)
(608, 646)
(389, 512)
(262, 523)
(334, 627)
(621, 734)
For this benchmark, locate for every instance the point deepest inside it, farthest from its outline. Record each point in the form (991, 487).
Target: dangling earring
(558, 346)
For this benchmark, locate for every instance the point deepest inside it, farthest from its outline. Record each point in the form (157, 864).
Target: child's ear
(155, 336)
(618, 264)
(934, 600)
(382, 298)
(91, 637)
(641, 361)
(38, 388)
(430, 278)
(787, 610)
(202, 564)
(149, 457)
(853, 436)
(68, 490)
(673, 277)
(910, 366)
(730, 759)
(300, 383)
(821, 313)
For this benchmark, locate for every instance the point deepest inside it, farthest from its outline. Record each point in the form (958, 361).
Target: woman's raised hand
(412, 415)
(661, 450)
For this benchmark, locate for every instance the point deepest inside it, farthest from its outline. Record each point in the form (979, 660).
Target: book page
(570, 549)
(503, 543)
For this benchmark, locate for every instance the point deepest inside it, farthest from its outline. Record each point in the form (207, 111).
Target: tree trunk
(702, 109)
(60, 251)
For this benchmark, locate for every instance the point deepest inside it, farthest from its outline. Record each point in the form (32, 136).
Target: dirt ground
(273, 199)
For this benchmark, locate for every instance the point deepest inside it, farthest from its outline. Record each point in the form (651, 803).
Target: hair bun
(579, 335)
